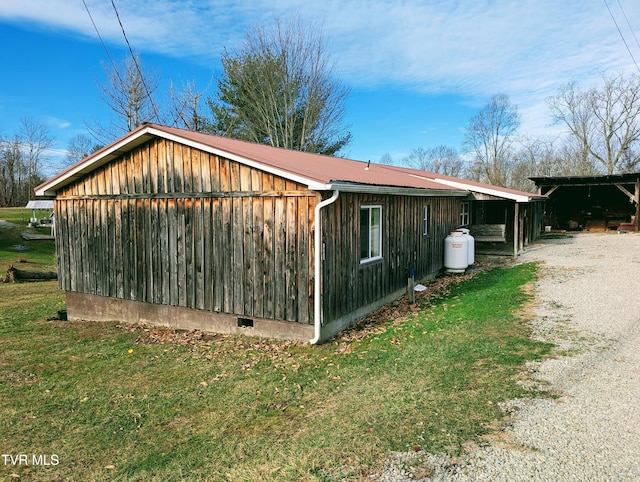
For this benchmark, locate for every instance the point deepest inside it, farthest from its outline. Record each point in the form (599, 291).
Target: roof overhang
(393, 190)
(487, 190)
(605, 180)
(99, 158)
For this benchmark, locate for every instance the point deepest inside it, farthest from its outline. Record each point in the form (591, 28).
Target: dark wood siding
(348, 284)
(169, 224)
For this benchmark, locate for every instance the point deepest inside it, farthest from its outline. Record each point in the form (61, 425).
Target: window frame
(465, 213)
(426, 219)
(369, 208)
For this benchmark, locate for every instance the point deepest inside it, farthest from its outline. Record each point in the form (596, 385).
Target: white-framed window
(370, 233)
(465, 212)
(425, 219)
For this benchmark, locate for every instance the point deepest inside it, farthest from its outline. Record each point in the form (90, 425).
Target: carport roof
(586, 180)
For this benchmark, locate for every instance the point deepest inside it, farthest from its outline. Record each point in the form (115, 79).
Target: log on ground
(15, 275)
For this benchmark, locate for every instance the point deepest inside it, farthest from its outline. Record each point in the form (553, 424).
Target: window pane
(375, 232)
(464, 214)
(425, 221)
(364, 233)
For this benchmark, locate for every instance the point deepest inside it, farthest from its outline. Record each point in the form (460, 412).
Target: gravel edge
(587, 306)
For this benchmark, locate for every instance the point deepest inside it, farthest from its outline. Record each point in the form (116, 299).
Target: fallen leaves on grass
(251, 351)
(246, 351)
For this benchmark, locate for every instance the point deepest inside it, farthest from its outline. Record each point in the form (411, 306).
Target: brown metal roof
(317, 171)
(316, 167)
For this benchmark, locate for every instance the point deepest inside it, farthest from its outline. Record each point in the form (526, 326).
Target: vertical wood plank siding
(349, 285)
(172, 225)
(169, 224)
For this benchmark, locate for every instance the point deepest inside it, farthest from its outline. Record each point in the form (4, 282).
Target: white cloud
(58, 123)
(476, 46)
(525, 48)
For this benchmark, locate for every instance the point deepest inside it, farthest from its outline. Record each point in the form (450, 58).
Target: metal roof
(625, 178)
(482, 188)
(317, 172)
(48, 204)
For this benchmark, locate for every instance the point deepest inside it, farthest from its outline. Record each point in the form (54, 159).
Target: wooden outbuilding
(592, 203)
(196, 231)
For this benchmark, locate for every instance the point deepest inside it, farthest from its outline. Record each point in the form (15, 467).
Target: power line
(135, 62)
(628, 24)
(100, 37)
(622, 36)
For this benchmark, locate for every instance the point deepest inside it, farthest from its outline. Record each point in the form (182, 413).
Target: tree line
(278, 88)
(22, 158)
(602, 132)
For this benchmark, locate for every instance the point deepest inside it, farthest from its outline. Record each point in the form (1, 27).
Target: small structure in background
(40, 221)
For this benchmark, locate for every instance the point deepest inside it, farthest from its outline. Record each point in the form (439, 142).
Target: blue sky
(418, 70)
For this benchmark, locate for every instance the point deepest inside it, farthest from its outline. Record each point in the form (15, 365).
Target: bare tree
(574, 160)
(186, 107)
(386, 159)
(605, 121)
(22, 160)
(279, 89)
(534, 157)
(10, 162)
(441, 159)
(80, 146)
(36, 139)
(489, 138)
(128, 92)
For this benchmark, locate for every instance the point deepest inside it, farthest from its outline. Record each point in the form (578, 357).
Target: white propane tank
(456, 258)
(471, 247)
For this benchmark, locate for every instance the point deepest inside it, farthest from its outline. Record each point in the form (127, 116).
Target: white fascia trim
(483, 190)
(74, 171)
(77, 170)
(310, 183)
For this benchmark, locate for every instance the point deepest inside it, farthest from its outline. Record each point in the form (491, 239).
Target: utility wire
(135, 62)
(628, 24)
(622, 36)
(100, 37)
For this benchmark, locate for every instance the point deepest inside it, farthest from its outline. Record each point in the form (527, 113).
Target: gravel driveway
(588, 303)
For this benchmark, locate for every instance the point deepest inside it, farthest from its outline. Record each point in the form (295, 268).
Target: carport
(591, 203)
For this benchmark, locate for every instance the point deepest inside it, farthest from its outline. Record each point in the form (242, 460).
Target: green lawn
(105, 402)
(35, 255)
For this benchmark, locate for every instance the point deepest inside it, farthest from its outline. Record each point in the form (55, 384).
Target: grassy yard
(99, 401)
(14, 250)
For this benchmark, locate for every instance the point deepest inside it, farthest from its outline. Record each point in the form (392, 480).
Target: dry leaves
(246, 351)
(250, 351)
